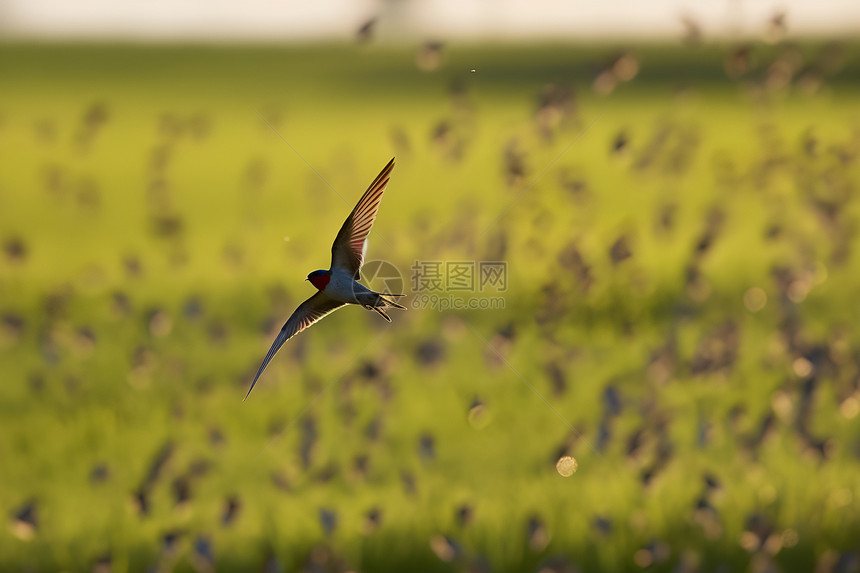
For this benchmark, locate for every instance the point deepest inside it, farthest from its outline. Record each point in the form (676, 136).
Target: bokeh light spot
(750, 541)
(840, 498)
(797, 291)
(755, 299)
(567, 466)
(643, 558)
(802, 367)
(479, 418)
(850, 407)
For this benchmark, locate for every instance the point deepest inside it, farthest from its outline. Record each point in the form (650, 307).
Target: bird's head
(319, 278)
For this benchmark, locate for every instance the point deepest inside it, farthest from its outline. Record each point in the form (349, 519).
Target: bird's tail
(381, 313)
(379, 303)
(391, 302)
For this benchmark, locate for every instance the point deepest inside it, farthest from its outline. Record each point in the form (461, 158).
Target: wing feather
(350, 244)
(309, 312)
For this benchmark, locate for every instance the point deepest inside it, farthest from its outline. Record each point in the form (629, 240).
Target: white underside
(344, 288)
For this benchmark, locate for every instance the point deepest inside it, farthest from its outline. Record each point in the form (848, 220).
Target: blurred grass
(167, 230)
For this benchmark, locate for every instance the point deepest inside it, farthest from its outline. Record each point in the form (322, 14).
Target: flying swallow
(339, 285)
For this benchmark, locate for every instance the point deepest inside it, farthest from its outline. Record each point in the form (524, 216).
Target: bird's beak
(307, 279)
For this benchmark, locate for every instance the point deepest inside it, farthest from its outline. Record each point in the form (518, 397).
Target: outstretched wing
(305, 315)
(349, 246)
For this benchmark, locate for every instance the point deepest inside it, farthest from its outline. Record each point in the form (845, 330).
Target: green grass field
(680, 313)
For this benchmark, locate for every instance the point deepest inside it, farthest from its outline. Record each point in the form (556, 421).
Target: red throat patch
(321, 281)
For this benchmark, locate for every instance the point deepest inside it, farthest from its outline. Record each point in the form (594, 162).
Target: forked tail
(380, 303)
(382, 296)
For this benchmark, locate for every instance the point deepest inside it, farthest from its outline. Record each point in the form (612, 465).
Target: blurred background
(668, 380)
(465, 20)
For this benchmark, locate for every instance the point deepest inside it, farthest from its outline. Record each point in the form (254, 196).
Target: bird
(339, 286)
